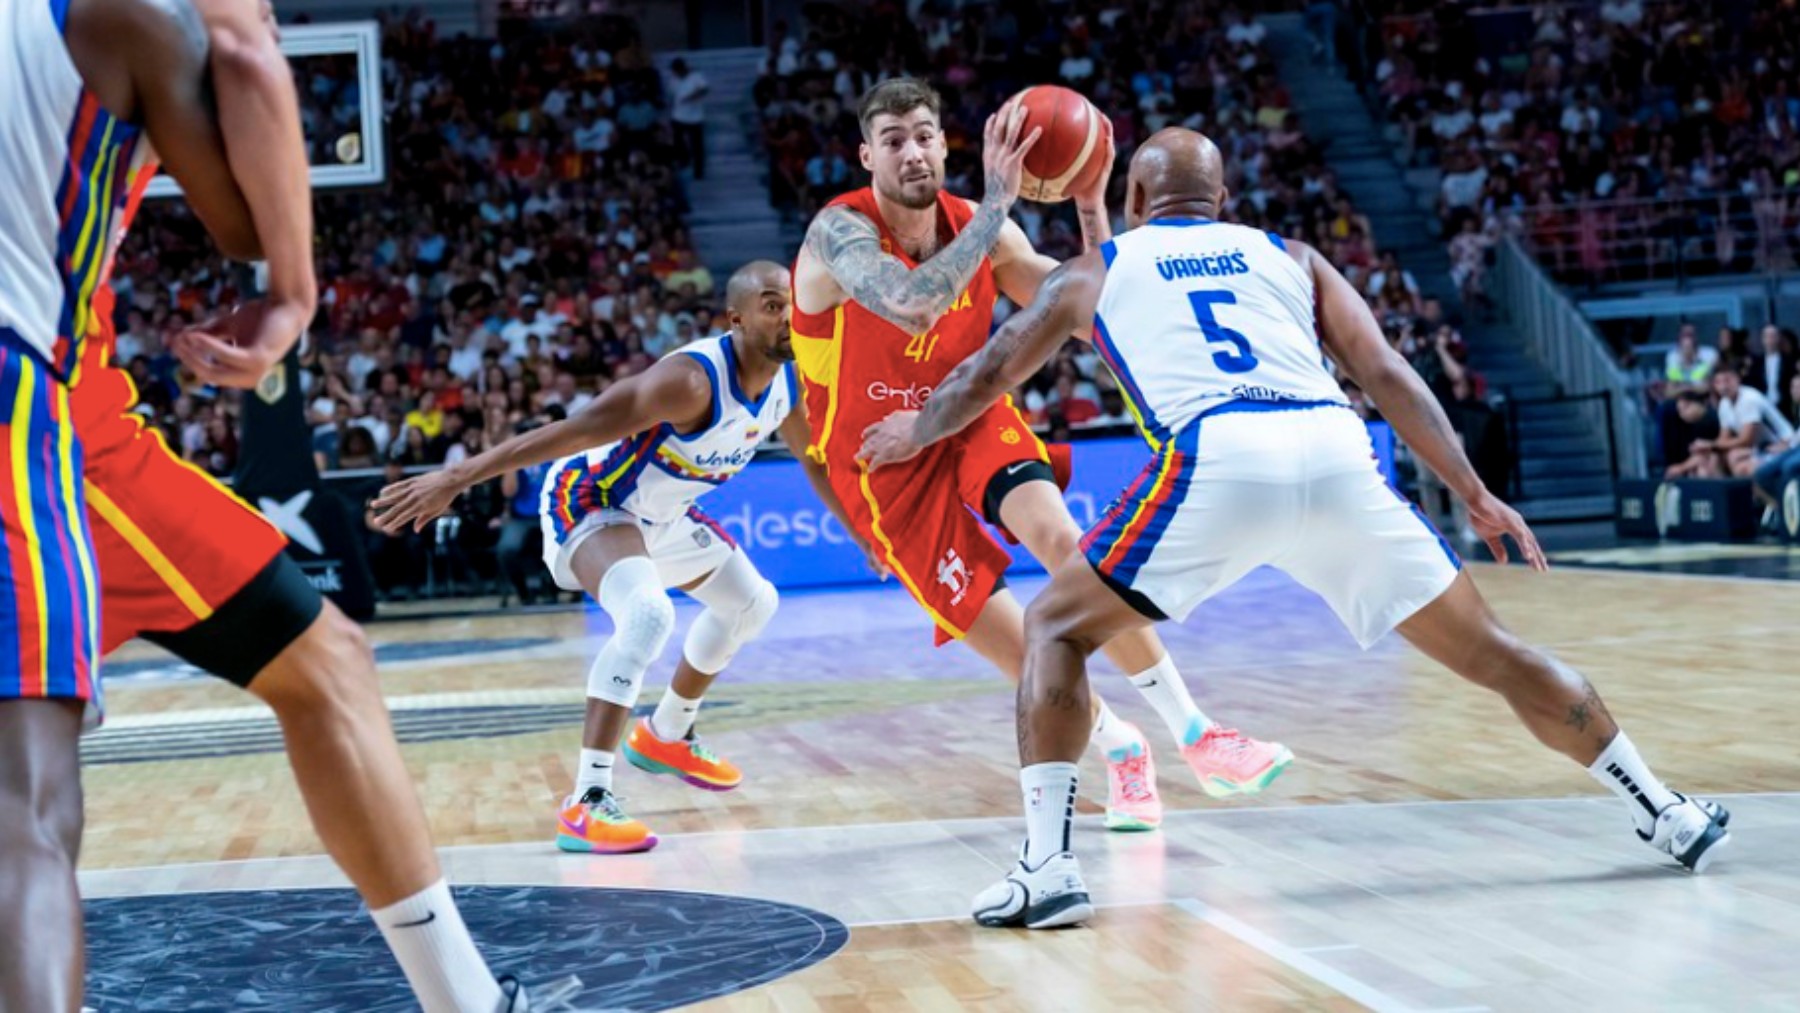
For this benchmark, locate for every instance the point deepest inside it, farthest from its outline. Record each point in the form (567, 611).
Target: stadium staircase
(1565, 466)
(730, 218)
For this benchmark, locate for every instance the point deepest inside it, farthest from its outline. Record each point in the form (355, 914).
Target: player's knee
(332, 665)
(756, 613)
(642, 623)
(1051, 619)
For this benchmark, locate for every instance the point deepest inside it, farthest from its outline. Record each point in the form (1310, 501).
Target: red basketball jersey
(859, 368)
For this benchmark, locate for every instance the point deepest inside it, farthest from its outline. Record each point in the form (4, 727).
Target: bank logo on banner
(287, 515)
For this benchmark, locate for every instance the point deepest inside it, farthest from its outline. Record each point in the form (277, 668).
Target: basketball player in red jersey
(181, 560)
(895, 286)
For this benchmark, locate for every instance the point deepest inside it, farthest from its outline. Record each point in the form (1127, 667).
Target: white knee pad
(739, 603)
(643, 617)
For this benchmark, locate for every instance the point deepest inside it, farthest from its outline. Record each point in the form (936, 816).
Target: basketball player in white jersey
(1212, 331)
(97, 90)
(620, 522)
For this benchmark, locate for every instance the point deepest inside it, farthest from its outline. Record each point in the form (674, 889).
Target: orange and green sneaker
(594, 824)
(686, 758)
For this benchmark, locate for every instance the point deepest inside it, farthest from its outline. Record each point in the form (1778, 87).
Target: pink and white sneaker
(1131, 799)
(1228, 762)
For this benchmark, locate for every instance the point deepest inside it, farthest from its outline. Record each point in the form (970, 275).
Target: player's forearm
(1414, 412)
(1096, 225)
(260, 120)
(967, 392)
(911, 299)
(582, 431)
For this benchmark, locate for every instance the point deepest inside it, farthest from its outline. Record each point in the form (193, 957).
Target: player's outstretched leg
(1065, 624)
(614, 563)
(1563, 710)
(324, 692)
(41, 953)
(739, 603)
(1225, 761)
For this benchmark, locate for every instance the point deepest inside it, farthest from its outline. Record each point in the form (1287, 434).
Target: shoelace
(1133, 778)
(704, 754)
(608, 804)
(1229, 739)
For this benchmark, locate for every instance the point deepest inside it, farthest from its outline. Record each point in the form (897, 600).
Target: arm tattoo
(1023, 344)
(1096, 229)
(850, 248)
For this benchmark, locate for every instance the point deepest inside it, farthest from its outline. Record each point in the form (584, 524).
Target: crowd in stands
(527, 250)
(1147, 65)
(1620, 139)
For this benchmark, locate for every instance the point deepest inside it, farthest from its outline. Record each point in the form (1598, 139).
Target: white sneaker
(1692, 831)
(1049, 896)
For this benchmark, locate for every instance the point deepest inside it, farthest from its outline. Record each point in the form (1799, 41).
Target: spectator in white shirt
(1581, 118)
(1077, 66)
(1241, 31)
(1453, 122)
(687, 110)
(1623, 13)
(1749, 426)
(527, 324)
(595, 135)
(1495, 117)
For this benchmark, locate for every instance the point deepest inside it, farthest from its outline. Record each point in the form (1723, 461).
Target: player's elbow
(244, 54)
(913, 314)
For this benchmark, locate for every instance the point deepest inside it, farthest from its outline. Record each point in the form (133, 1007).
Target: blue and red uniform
(63, 177)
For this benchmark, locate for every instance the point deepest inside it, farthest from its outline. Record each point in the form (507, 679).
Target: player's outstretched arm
(675, 390)
(843, 248)
(1353, 338)
(1030, 338)
(259, 114)
(797, 434)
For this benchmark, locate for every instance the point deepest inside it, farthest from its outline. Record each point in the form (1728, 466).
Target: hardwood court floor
(1423, 852)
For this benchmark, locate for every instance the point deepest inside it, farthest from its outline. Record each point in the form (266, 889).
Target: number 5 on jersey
(1237, 359)
(921, 346)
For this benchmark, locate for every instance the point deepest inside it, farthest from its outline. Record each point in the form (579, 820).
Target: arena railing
(1591, 243)
(1565, 342)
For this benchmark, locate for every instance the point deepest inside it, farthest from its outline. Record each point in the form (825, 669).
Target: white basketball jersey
(65, 167)
(658, 474)
(1195, 314)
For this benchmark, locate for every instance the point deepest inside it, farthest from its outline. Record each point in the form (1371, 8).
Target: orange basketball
(1069, 154)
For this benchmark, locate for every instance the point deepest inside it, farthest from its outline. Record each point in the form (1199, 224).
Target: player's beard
(916, 195)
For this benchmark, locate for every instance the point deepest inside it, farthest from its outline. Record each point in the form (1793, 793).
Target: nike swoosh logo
(1151, 684)
(577, 829)
(1021, 466)
(427, 920)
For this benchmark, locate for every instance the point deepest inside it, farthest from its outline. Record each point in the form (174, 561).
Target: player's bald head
(1176, 172)
(753, 280)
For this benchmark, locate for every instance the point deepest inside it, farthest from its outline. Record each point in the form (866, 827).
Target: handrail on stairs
(1560, 337)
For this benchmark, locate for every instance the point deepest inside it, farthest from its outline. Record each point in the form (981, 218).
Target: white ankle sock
(1620, 768)
(595, 771)
(1113, 733)
(1162, 686)
(674, 716)
(1049, 809)
(432, 944)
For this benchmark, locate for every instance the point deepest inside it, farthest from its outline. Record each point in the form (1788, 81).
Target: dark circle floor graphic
(316, 951)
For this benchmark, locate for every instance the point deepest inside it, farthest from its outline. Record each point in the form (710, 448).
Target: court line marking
(1296, 960)
(960, 821)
